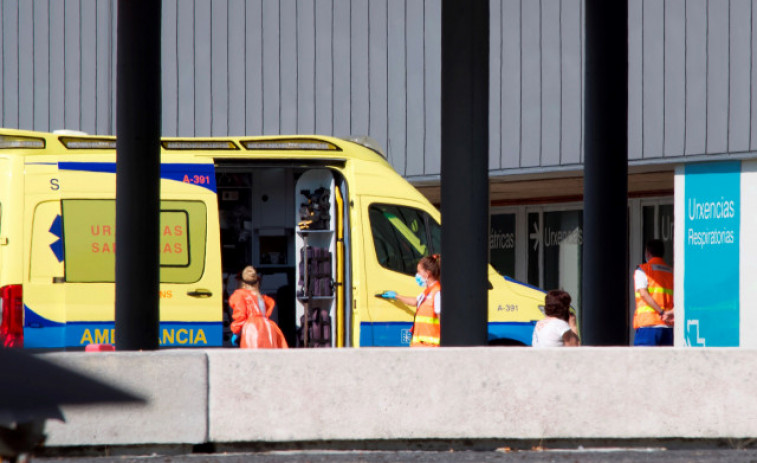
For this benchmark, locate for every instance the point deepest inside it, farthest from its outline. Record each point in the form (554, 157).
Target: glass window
(399, 236)
(555, 251)
(436, 235)
(90, 242)
(657, 223)
(502, 244)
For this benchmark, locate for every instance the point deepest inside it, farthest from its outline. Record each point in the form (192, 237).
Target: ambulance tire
(506, 342)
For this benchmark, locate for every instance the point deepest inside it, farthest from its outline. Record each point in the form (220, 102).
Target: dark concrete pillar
(465, 183)
(138, 174)
(605, 234)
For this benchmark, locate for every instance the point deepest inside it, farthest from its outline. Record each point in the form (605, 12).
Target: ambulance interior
(287, 221)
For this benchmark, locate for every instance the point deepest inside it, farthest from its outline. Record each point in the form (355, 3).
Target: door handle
(200, 292)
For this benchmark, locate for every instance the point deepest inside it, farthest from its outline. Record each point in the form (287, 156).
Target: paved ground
(504, 455)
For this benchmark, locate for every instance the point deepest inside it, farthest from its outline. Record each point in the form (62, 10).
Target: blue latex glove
(235, 339)
(389, 295)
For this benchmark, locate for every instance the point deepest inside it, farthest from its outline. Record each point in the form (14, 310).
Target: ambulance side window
(436, 235)
(399, 236)
(89, 235)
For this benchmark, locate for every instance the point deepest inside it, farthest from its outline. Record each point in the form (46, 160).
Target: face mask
(420, 280)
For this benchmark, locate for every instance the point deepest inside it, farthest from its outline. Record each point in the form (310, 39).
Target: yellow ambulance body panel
(280, 203)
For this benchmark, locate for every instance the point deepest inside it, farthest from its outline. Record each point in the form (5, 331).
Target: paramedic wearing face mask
(251, 324)
(426, 328)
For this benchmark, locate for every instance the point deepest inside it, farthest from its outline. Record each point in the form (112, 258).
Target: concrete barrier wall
(625, 393)
(452, 393)
(174, 383)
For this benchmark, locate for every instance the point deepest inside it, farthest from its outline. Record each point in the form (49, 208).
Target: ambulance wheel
(506, 342)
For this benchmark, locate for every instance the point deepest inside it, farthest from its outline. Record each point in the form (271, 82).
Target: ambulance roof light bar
(368, 142)
(88, 143)
(290, 144)
(17, 141)
(199, 145)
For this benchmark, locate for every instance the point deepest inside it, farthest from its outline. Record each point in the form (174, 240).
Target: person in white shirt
(558, 328)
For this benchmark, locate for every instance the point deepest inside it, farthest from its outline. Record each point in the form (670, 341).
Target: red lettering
(95, 230)
(106, 230)
(178, 230)
(95, 248)
(167, 231)
(186, 179)
(167, 248)
(106, 248)
(177, 248)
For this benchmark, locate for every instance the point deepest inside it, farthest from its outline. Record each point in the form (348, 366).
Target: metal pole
(465, 164)
(605, 248)
(138, 175)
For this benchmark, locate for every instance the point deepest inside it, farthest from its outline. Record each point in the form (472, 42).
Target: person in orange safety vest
(426, 324)
(251, 315)
(653, 281)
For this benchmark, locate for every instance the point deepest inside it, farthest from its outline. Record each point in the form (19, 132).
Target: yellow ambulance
(326, 221)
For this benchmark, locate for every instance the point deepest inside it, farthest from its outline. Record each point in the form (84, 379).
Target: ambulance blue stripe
(395, 334)
(518, 331)
(388, 334)
(202, 175)
(78, 334)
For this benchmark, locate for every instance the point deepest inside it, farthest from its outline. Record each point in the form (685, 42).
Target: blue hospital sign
(711, 254)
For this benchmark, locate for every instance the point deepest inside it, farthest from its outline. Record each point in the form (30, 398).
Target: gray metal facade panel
(739, 85)
(185, 68)
(306, 67)
(41, 97)
(372, 67)
(396, 84)
(635, 72)
(10, 63)
(26, 63)
(572, 73)
(511, 96)
(359, 91)
(675, 76)
(341, 66)
(88, 66)
(531, 95)
(551, 83)
(696, 77)
(717, 76)
(236, 67)
(433, 87)
(414, 65)
(324, 70)
(72, 64)
(377, 71)
(288, 66)
(753, 78)
(202, 68)
(3, 44)
(495, 73)
(652, 78)
(253, 67)
(270, 63)
(57, 68)
(219, 67)
(105, 69)
(169, 72)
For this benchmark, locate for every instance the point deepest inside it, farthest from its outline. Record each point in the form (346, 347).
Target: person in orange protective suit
(251, 310)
